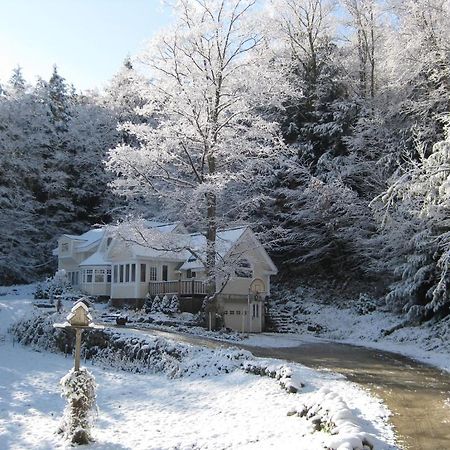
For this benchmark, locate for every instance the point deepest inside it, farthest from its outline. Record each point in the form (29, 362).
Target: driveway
(417, 394)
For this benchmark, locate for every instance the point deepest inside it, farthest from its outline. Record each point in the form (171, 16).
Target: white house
(101, 263)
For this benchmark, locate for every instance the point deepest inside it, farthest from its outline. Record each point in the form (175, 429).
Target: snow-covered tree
(52, 180)
(210, 85)
(417, 226)
(418, 70)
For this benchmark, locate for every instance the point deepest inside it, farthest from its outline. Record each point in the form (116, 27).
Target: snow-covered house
(101, 263)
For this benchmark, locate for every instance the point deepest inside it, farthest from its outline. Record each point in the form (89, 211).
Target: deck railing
(178, 287)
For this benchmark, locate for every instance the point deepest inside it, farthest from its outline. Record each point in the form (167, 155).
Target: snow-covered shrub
(78, 387)
(57, 285)
(174, 305)
(283, 374)
(148, 303)
(165, 305)
(143, 354)
(38, 331)
(365, 305)
(156, 305)
(328, 412)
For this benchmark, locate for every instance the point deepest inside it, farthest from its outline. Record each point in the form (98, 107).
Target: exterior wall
(239, 315)
(102, 288)
(139, 289)
(241, 286)
(69, 260)
(251, 251)
(96, 288)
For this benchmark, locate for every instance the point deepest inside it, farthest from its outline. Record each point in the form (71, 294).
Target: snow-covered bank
(235, 410)
(315, 316)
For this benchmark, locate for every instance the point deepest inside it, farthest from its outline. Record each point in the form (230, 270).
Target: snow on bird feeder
(79, 315)
(78, 319)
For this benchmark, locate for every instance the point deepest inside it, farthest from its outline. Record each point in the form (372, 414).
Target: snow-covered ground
(318, 315)
(237, 410)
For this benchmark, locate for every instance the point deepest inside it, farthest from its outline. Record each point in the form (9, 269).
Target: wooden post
(78, 332)
(249, 317)
(210, 320)
(243, 321)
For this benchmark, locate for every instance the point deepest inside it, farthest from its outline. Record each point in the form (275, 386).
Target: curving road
(417, 394)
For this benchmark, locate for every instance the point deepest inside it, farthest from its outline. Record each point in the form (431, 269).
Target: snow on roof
(196, 242)
(163, 227)
(194, 264)
(97, 259)
(88, 238)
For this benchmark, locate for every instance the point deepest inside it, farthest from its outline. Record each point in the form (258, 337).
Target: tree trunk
(211, 233)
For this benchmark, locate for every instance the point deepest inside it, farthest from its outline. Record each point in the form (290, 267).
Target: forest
(323, 125)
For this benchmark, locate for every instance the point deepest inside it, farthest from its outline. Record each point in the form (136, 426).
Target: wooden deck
(181, 288)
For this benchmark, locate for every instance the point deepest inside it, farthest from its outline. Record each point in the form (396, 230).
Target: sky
(87, 39)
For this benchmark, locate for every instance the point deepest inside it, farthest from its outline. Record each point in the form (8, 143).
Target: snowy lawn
(151, 411)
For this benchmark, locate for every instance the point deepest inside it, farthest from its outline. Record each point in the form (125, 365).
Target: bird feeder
(78, 319)
(79, 315)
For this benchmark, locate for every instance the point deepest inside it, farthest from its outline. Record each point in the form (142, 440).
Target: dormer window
(65, 247)
(243, 269)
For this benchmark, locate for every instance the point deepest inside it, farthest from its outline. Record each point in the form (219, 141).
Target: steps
(280, 322)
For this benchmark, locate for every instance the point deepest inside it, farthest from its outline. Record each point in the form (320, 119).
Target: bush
(365, 305)
(51, 287)
(79, 389)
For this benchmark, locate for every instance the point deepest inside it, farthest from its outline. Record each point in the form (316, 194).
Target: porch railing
(178, 287)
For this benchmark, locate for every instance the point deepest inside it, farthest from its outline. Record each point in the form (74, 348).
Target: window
(189, 273)
(88, 275)
(121, 273)
(153, 274)
(99, 276)
(232, 313)
(255, 310)
(108, 275)
(238, 312)
(133, 273)
(243, 269)
(143, 271)
(65, 247)
(127, 273)
(165, 271)
(116, 271)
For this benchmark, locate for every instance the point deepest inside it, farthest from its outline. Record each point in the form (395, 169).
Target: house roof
(195, 242)
(187, 246)
(96, 259)
(163, 227)
(88, 238)
(94, 236)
